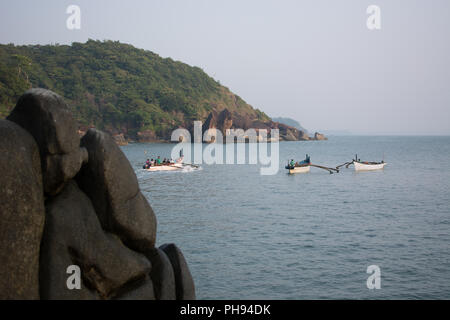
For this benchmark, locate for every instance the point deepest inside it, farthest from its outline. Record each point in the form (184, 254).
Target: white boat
(178, 165)
(369, 166)
(166, 167)
(299, 169)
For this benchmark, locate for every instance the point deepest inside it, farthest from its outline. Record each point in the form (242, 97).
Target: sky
(314, 61)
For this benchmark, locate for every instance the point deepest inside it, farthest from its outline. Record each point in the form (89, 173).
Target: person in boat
(306, 161)
(152, 162)
(292, 163)
(147, 164)
(158, 161)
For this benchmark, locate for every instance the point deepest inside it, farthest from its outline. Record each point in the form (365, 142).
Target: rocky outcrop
(96, 217)
(109, 181)
(22, 213)
(304, 136)
(226, 120)
(319, 136)
(222, 121)
(185, 289)
(290, 122)
(47, 118)
(288, 133)
(162, 275)
(106, 264)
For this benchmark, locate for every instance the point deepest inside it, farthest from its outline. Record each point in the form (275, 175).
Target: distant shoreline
(206, 143)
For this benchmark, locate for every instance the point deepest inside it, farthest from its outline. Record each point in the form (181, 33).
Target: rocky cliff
(130, 93)
(225, 120)
(304, 133)
(70, 202)
(319, 136)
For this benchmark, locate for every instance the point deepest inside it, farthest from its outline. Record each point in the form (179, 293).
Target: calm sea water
(311, 236)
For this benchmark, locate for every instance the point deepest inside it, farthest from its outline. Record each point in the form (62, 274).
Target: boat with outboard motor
(165, 166)
(168, 165)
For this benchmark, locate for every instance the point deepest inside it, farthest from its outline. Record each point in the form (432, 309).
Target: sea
(348, 235)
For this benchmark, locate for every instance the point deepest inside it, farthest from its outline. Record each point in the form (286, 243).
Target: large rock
(142, 290)
(111, 184)
(319, 136)
(288, 133)
(22, 213)
(60, 168)
(162, 275)
(103, 224)
(73, 236)
(221, 121)
(46, 116)
(304, 136)
(185, 288)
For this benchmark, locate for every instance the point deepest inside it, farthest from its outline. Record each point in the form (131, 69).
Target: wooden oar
(344, 164)
(325, 168)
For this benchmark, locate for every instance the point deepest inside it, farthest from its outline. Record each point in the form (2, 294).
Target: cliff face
(319, 136)
(225, 120)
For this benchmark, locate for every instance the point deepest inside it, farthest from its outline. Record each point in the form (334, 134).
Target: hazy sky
(315, 61)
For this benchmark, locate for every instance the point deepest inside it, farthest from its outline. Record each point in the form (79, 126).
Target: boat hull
(174, 167)
(368, 167)
(303, 169)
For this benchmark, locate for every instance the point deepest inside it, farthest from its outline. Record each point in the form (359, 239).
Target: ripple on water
(313, 235)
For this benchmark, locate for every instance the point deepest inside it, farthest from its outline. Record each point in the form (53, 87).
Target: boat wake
(188, 168)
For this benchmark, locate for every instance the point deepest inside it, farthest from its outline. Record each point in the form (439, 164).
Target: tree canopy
(115, 86)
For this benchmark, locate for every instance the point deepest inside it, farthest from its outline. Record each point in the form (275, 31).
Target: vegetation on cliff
(117, 87)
